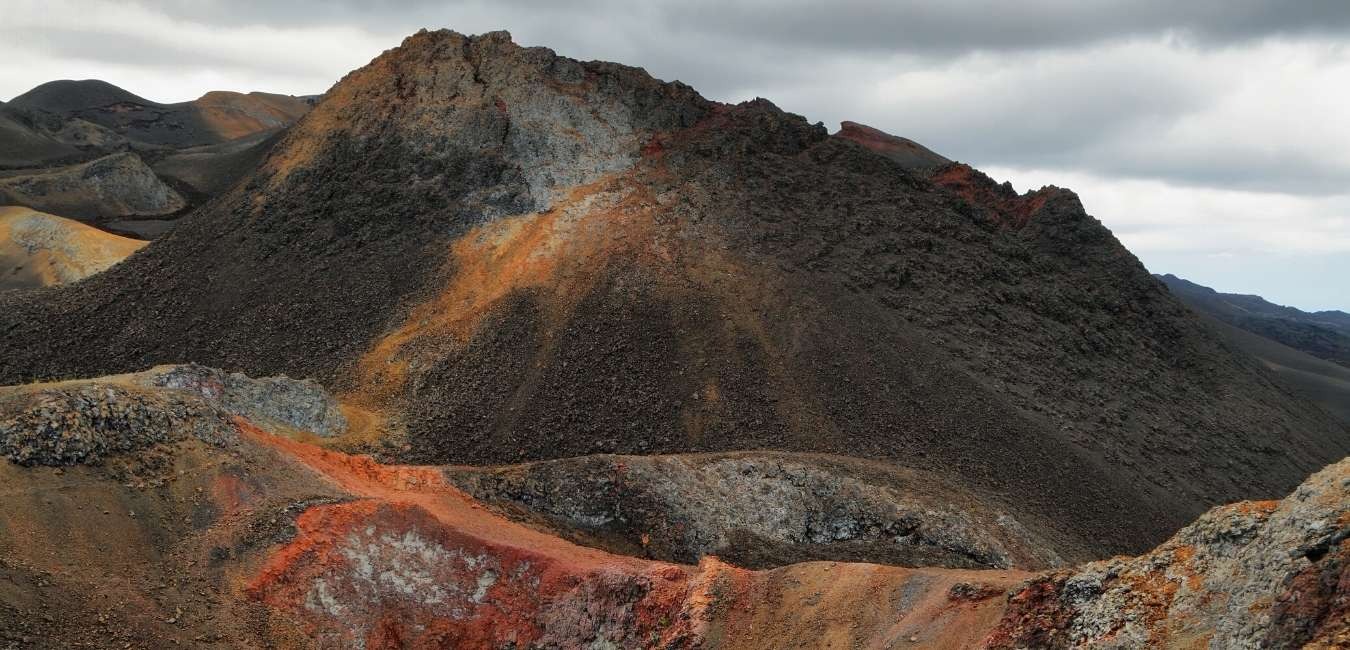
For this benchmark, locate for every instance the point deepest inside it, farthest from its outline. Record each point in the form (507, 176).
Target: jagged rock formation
(509, 255)
(1266, 574)
(118, 185)
(82, 421)
(253, 540)
(42, 250)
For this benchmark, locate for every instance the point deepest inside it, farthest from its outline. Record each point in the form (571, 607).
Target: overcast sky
(1212, 136)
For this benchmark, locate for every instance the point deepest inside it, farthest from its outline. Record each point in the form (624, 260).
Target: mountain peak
(908, 153)
(529, 119)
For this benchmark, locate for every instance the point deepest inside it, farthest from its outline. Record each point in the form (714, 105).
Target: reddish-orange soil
(464, 577)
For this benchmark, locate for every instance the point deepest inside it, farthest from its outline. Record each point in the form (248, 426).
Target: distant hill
(168, 156)
(21, 144)
(69, 96)
(1322, 334)
(42, 250)
(215, 117)
(118, 185)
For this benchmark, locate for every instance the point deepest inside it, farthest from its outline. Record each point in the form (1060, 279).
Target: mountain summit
(504, 255)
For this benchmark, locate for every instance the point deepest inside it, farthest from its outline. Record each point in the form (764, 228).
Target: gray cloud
(848, 25)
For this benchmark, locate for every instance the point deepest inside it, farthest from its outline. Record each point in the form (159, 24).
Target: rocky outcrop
(271, 401)
(197, 527)
(83, 422)
(758, 509)
(42, 250)
(113, 186)
(1269, 574)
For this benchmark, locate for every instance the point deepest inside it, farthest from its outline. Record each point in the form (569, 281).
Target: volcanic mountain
(504, 255)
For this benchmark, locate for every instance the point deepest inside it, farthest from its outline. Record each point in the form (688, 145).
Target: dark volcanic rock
(517, 256)
(82, 423)
(760, 509)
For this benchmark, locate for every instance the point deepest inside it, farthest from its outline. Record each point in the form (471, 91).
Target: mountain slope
(508, 255)
(41, 250)
(1324, 334)
(1321, 382)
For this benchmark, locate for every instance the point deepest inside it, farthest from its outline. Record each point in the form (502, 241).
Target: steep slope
(507, 255)
(211, 119)
(151, 511)
(42, 250)
(1323, 334)
(118, 185)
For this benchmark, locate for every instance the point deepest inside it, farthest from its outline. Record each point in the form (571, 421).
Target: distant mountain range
(1309, 351)
(1322, 334)
(92, 151)
(213, 118)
